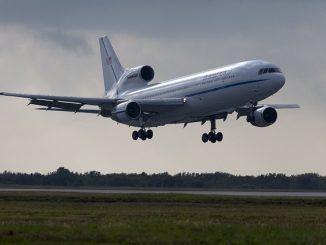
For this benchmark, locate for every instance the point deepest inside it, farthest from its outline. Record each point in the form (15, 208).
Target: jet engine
(126, 111)
(145, 73)
(263, 117)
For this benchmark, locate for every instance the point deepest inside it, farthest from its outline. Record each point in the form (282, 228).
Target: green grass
(69, 218)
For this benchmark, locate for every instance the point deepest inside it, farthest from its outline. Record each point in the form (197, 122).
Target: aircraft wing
(149, 106)
(64, 102)
(92, 111)
(74, 104)
(284, 106)
(245, 110)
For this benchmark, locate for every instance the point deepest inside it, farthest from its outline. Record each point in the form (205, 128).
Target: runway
(173, 191)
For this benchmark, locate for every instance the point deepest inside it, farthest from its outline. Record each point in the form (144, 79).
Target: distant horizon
(64, 177)
(163, 172)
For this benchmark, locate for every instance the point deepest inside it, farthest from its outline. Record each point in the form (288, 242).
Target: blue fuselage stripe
(226, 86)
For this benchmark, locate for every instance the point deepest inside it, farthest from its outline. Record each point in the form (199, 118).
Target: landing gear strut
(212, 136)
(142, 134)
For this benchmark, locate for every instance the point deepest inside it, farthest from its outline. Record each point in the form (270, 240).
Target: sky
(51, 47)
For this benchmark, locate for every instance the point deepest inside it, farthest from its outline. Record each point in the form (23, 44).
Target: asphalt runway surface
(159, 191)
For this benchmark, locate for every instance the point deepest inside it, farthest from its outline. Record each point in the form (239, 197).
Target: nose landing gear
(142, 134)
(212, 136)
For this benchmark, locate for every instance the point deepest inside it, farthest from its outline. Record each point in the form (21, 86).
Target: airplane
(206, 96)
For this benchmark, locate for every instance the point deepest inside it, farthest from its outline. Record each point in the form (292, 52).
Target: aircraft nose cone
(279, 82)
(282, 81)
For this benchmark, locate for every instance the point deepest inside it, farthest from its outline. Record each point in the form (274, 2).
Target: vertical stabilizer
(112, 69)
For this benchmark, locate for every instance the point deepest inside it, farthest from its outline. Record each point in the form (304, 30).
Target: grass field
(69, 218)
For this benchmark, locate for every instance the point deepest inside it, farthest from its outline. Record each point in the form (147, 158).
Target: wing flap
(81, 100)
(67, 103)
(56, 104)
(92, 111)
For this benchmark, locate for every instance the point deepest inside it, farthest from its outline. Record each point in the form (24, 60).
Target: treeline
(64, 177)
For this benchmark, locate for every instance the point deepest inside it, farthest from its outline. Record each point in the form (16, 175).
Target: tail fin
(112, 69)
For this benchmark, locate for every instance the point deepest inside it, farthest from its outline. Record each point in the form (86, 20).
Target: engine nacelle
(145, 73)
(126, 111)
(263, 117)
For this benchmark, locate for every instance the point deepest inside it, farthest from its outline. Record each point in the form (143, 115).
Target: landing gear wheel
(204, 138)
(142, 134)
(135, 135)
(212, 137)
(213, 140)
(149, 134)
(219, 136)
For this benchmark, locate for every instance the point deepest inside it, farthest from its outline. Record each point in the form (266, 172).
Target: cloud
(39, 62)
(169, 18)
(68, 41)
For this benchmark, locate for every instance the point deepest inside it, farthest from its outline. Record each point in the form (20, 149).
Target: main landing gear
(142, 134)
(212, 136)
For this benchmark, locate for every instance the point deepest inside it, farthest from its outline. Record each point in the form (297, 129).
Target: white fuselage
(208, 93)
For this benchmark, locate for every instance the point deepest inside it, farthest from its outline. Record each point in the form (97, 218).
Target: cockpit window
(269, 70)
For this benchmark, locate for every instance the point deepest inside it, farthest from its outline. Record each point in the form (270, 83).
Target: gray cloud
(168, 18)
(68, 41)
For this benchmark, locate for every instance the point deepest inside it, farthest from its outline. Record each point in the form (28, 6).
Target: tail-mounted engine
(263, 116)
(126, 111)
(144, 73)
(136, 78)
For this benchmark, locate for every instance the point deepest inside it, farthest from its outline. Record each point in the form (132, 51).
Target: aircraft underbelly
(205, 104)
